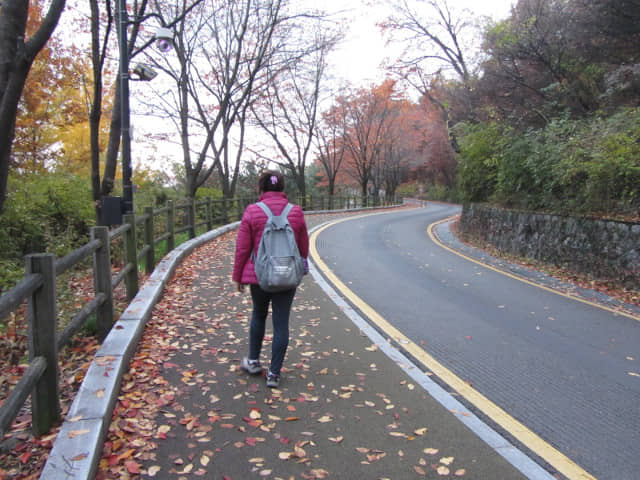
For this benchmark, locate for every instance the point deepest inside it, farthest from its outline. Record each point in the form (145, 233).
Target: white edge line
(497, 442)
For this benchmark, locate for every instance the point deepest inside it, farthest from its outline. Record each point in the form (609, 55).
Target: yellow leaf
(164, 429)
(77, 433)
(460, 472)
(420, 431)
(442, 470)
(420, 471)
(324, 419)
(153, 471)
(204, 460)
(430, 451)
(255, 414)
(447, 460)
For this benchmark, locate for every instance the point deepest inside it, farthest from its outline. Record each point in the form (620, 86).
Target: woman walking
(271, 189)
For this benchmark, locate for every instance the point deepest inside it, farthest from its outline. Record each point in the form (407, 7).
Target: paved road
(559, 366)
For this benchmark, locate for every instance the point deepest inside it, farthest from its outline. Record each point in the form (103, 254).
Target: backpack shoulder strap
(265, 209)
(287, 209)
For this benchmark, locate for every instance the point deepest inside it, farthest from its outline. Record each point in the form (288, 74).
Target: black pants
(280, 311)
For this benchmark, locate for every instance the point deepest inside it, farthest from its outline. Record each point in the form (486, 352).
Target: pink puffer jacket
(250, 233)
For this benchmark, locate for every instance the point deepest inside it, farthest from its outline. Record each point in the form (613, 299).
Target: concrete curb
(77, 449)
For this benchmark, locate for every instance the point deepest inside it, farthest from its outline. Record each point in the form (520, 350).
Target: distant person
(271, 189)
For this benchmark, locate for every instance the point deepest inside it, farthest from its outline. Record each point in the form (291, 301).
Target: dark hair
(271, 181)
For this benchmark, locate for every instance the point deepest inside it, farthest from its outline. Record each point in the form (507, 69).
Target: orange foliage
(54, 105)
(385, 140)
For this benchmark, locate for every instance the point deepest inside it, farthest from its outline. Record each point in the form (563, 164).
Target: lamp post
(125, 114)
(163, 37)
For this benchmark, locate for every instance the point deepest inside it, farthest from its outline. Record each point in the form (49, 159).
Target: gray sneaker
(273, 380)
(251, 366)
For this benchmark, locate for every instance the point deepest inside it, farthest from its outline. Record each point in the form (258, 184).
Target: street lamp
(164, 39)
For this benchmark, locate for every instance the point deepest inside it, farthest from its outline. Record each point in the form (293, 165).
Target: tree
(139, 39)
(368, 115)
(17, 54)
(288, 109)
(331, 146)
(437, 48)
(534, 69)
(230, 51)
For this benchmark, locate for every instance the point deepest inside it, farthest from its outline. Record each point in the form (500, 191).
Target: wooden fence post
(102, 281)
(239, 208)
(209, 213)
(192, 218)
(225, 211)
(171, 226)
(42, 314)
(130, 256)
(150, 258)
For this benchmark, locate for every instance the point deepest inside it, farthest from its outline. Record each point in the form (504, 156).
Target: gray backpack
(278, 263)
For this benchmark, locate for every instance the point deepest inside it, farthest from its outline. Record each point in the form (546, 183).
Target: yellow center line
(558, 460)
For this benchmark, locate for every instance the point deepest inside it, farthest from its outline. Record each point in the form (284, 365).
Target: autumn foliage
(376, 139)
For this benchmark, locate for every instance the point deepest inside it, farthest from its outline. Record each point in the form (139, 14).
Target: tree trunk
(113, 147)
(16, 58)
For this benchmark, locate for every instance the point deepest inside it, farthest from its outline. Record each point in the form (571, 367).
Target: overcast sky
(358, 60)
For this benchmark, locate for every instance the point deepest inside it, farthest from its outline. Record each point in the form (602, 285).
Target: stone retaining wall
(606, 249)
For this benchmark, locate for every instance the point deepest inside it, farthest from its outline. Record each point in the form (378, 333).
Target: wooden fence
(139, 235)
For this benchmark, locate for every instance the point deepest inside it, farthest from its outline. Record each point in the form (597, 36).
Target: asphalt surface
(559, 366)
(343, 409)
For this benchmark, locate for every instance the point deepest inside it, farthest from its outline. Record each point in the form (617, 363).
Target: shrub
(43, 213)
(481, 148)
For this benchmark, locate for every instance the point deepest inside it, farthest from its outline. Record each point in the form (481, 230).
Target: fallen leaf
(153, 471)
(420, 470)
(132, 466)
(442, 470)
(255, 414)
(77, 433)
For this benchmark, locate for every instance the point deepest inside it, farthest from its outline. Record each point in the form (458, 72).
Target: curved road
(565, 369)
